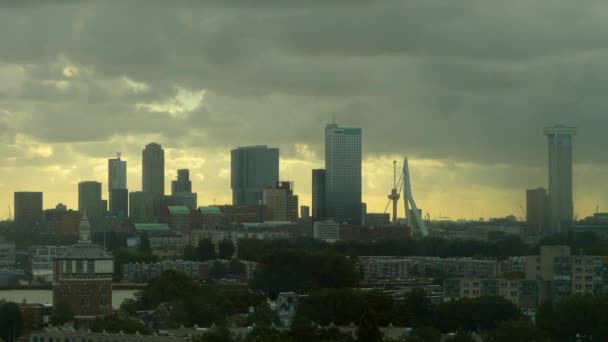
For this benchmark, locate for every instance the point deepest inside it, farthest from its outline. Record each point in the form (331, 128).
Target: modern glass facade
(253, 169)
(561, 207)
(343, 173)
(117, 184)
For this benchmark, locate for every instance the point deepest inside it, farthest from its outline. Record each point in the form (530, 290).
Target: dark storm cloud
(465, 80)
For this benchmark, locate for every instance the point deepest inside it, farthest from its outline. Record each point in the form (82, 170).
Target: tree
(425, 334)
(115, 324)
(368, 328)
(144, 244)
(314, 271)
(478, 314)
(521, 331)
(263, 317)
(168, 287)
(62, 313)
(218, 270)
(129, 306)
(302, 329)
(205, 250)
(263, 334)
(419, 308)
(30, 319)
(585, 316)
(217, 334)
(11, 323)
(115, 241)
(345, 306)
(237, 268)
(189, 253)
(463, 336)
(226, 249)
(332, 334)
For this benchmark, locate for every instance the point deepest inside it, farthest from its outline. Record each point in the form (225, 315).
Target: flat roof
(152, 227)
(560, 130)
(179, 210)
(210, 210)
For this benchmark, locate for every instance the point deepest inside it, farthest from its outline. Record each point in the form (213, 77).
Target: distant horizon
(450, 203)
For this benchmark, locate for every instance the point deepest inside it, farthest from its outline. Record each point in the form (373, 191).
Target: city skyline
(467, 108)
(306, 193)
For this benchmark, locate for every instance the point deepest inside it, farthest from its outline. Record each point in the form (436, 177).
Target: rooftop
(152, 227)
(210, 210)
(560, 130)
(84, 251)
(179, 210)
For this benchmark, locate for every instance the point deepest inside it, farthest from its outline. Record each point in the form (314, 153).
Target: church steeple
(85, 230)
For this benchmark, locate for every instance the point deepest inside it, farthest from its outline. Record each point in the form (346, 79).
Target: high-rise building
(181, 189)
(318, 194)
(281, 202)
(343, 173)
(183, 183)
(89, 200)
(536, 211)
(141, 207)
(561, 207)
(304, 211)
(153, 169)
(117, 184)
(28, 211)
(253, 169)
(187, 199)
(119, 202)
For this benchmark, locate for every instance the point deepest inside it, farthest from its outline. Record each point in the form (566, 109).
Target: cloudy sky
(464, 88)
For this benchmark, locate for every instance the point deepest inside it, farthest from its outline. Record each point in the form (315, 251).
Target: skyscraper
(183, 183)
(28, 211)
(182, 189)
(561, 207)
(117, 186)
(253, 169)
(153, 169)
(119, 202)
(343, 173)
(281, 202)
(318, 194)
(536, 211)
(141, 207)
(89, 200)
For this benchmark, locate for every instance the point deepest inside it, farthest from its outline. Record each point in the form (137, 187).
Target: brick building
(82, 277)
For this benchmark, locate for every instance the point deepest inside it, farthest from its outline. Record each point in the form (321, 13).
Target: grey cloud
(470, 80)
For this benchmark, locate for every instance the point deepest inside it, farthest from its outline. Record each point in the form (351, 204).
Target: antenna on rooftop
(118, 154)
